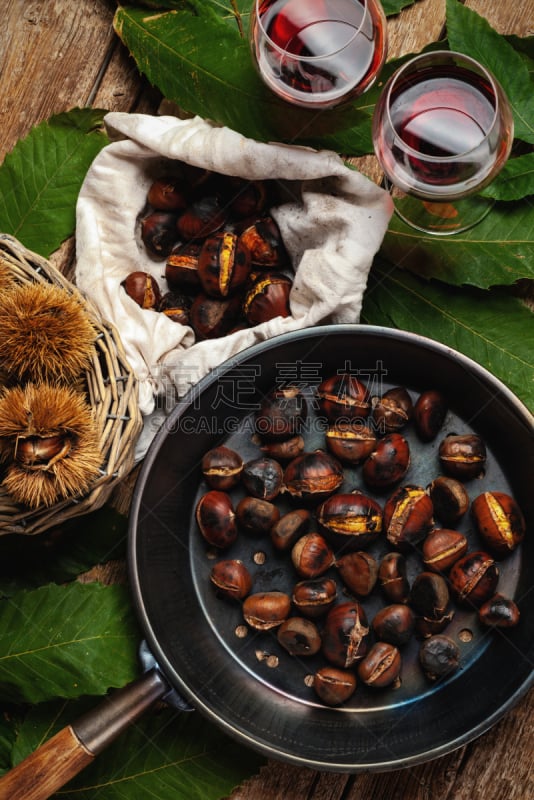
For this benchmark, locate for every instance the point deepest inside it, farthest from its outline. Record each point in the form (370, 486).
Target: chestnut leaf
(491, 327)
(66, 641)
(41, 177)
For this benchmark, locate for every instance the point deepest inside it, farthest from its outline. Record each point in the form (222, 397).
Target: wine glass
(442, 130)
(318, 53)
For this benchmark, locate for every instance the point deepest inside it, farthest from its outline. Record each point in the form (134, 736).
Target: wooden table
(62, 54)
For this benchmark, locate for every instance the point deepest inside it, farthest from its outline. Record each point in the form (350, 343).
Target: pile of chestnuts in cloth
(342, 545)
(226, 267)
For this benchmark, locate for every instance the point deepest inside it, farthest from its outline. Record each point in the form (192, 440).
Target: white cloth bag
(332, 229)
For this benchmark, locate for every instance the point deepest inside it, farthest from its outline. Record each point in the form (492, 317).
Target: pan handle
(67, 753)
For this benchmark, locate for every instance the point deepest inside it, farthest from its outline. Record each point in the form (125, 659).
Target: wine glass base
(443, 218)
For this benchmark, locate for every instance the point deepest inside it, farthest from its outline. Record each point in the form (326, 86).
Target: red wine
(443, 134)
(319, 52)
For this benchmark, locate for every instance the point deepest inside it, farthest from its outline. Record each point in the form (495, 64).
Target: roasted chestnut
(345, 634)
(439, 656)
(231, 578)
(290, 527)
(175, 307)
(256, 516)
(429, 595)
(216, 518)
(266, 610)
(334, 686)
(408, 516)
(430, 411)
(222, 468)
(449, 498)
(202, 218)
(267, 298)
(381, 666)
(499, 612)
(499, 521)
(388, 463)
(212, 317)
(143, 289)
(350, 520)
(311, 555)
(393, 410)
(265, 244)
(158, 233)
(285, 450)
(315, 596)
(358, 571)
(299, 636)
(442, 547)
(181, 267)
(313, 476)
(394, 624)
(462, 456)
(262, 477)
(281, 414)
(245, 198)
(473, 578)
(350, 441)
(393, 579)
(343, 396)
(168, 194)
(223, 264)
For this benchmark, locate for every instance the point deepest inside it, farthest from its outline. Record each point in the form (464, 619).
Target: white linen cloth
(332, 225)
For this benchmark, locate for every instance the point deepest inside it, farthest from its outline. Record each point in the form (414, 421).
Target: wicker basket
(112, 394)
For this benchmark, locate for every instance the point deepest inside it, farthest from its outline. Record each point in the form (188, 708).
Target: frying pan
(199, 654)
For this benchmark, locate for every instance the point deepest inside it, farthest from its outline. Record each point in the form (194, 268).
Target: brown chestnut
(311, 555)
(262, 477)
(351, 520)
(381, 666)
(429, 595)
(267, 298)
(181, 267)
(216, 518)
(281, 414)
(299, 636)
(167, 194)
(449, 498)
(350, 441)
(358, 571)
(313, 476)
(393, 410)
(143, 289)
(285, 450)
(212, 317)
(473, 578)
(231, 578)
(175, 307)
(393, 579)
(266, 610)
(408, 516)
(388, 463)
(158, 233)
(223, 264)
(334, 686)
(256, 516)
(202, 218)
(499, 612)
(439, 656)
(499, 521)
(442, 547)
(394, 624)
(264, 242)
(290, 527)
(315, 596)
(430, 411)
(462, 456)
(221, 467)
(37, 451)
(345, 634)
(343, 396)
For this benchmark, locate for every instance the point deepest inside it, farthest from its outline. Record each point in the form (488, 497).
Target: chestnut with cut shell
(408, 516)
(315, 596)
(264, 242)
(266, 610)
(442, 547)
(381, 666)
(334, 686)
(231, 578)
(262, 477)
(499, 521)
(221, 467)
(449, 498)
(223, 264)
(158, 233)
(350, 520)
(311, 555)
(350, 441)
(393, 579)
(313, 476)
(267, 297)
(474, 578)
(388, 463)
(462, 456)
(281, 414)
(393, 410)
(181, 267)
(343, 396)
(345, 634)
(143, 289)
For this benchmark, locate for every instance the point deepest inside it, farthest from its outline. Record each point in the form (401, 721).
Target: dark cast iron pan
(248, 685)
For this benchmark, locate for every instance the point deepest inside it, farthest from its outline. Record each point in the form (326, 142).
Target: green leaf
(493, 328)
(392, 7)
(166, 755)
(66, 641)
(515, 181)
(41, 177)
(27, 562)
(497, 251)
(471, 34)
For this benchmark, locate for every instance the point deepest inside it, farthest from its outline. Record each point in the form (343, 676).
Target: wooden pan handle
(63, 756)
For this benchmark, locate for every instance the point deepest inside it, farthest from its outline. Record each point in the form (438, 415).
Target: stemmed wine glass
(442, 130)
(318, 53)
